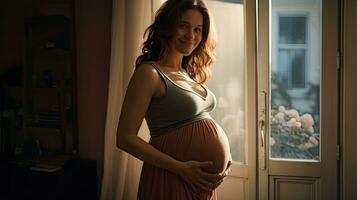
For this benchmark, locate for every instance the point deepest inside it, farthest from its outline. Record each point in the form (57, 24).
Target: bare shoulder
(146, 79)
(150, 79)
(146, 72)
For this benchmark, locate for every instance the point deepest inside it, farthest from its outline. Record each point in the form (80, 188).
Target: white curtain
(130, 18)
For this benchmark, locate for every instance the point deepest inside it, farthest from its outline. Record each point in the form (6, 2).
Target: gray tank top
(177, 108)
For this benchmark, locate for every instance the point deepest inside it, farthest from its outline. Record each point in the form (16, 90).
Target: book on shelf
(45, 168)
(45, 163)
(45, 120)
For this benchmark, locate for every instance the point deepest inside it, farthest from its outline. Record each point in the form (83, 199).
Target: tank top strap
(162, 74)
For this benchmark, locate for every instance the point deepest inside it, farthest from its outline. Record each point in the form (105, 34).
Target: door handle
(262, 148)
(261, 130)
(262, 133)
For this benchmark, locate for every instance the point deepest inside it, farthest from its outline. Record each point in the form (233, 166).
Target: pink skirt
(203, 140)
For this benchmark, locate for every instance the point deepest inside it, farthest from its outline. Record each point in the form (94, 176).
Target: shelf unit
(49, 92)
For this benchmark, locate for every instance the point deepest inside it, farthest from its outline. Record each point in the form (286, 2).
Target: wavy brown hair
(161, 31)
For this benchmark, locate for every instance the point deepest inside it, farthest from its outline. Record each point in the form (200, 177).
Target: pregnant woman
(188, 154)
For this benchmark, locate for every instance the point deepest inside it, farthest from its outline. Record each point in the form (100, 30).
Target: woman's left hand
(223, 176)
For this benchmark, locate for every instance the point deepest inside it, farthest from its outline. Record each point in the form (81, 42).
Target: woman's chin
(186, 51)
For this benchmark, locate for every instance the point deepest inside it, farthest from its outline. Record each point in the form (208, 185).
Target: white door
(234, 83)
(298, 147)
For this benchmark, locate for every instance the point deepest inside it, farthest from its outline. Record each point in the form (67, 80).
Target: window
(292, 51)
(228, 74)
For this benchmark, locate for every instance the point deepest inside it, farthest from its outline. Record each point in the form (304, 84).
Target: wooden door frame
(263, 67)
(251, 95)
(348, 98)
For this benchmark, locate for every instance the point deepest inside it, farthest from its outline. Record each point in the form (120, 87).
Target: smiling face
(188, 34)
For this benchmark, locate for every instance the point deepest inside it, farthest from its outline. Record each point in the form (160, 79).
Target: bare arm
(141, 89)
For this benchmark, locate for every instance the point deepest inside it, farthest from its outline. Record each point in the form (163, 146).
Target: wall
(12, 34)
(349, 101)
(93, 31)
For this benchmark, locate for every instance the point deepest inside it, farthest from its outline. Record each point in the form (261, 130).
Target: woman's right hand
(191, 172)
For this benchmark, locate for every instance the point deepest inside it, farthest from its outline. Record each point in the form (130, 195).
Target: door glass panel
(295, 67)
(227, 81)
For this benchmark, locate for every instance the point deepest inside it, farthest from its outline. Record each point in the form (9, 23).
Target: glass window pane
(295, 97)
(292, 30)
(228, 73)
(292, 67)
(298, 69)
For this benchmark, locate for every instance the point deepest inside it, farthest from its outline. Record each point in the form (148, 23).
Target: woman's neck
(172, 60)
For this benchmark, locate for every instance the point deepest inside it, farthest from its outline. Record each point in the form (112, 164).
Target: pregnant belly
(203, 140)
(211, 144)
